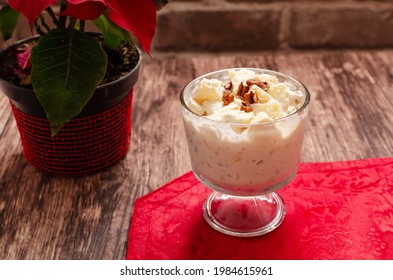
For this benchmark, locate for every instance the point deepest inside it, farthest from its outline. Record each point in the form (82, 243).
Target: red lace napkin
(338, 210)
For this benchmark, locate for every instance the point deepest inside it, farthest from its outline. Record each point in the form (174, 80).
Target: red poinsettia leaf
(31, 9)
(136, 16)
(24, 58)
(85, 9)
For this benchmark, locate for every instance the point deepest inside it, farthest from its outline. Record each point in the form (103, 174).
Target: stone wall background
(255, 25)
(252, 25)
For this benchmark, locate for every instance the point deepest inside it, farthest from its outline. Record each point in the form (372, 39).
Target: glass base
(244, 216)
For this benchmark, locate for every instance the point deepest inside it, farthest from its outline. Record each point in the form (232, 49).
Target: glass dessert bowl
(244, 129)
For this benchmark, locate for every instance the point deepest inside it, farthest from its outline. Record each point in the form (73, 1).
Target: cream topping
(245, 98)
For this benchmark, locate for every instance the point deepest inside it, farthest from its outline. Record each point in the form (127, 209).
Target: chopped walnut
(242, 89)
(263, 85)
(248, 98)
(246, 107)
(251, 97)
(227, 85)
(227, 97)
(239, 89)
(251, 82)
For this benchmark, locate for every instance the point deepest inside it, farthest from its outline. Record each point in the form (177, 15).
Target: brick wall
(252, 25)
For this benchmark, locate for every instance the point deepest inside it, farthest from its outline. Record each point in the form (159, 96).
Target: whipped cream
(244, 98)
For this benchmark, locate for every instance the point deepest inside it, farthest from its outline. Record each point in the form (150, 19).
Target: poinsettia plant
(66, 63)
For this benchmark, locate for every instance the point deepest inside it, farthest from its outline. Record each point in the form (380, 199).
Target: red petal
(85, 9)
(136, 16)
(31, 9)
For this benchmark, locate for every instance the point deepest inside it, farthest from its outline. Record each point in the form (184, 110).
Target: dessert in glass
(244, 129)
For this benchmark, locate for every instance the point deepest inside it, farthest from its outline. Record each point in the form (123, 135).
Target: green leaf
(113, 34)
(8, 21)
(67, 67)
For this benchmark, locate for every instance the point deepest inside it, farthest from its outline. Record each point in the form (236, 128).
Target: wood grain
(45, 217)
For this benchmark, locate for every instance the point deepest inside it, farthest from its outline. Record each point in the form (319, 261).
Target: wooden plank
(45, 217)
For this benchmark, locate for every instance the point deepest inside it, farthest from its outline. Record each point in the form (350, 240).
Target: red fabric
(83, 146)
(338, 210)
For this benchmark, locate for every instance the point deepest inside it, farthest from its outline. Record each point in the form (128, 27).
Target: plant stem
(43, 23)
(72, 22)
(81, 25)
(62, 19)
(38, 29)
(52, 15)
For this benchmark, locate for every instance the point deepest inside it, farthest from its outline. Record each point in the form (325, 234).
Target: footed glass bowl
(245, 164)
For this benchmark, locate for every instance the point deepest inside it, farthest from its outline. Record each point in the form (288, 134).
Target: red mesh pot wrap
(83, 146)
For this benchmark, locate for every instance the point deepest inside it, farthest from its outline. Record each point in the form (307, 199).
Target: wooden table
(44, 217)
